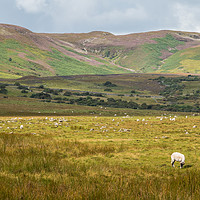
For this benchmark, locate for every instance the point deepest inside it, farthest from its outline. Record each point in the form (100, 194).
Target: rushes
(73, 163)
(78, 149)
(22, 154)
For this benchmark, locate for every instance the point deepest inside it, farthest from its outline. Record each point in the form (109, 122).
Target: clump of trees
(108, 90)
(3, 89)
(173, 89)
(68, 93)
(133, 91)
(41, 95)
(51, 91)
(17, 84)
(109, 84)
(41, 87)
(24, 89)
(171, 85)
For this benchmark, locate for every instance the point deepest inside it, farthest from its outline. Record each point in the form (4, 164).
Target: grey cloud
(116, 16)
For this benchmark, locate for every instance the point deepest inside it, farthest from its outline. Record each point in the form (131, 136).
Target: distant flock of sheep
(174, 157)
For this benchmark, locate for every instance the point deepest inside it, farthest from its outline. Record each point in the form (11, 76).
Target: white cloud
(116, 16)
(88, 15)
(187, 17)
(31, 6)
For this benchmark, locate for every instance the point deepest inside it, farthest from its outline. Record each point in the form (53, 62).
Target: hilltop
(25, 53)
(141, 52)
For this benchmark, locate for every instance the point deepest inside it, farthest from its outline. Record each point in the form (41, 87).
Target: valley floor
(94, 157)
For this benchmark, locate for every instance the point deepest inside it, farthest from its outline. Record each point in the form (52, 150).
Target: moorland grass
(98, 158)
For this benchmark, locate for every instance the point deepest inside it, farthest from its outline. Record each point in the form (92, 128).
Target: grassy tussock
(98, 161)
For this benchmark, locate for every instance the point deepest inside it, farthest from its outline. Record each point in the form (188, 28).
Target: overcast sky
(115, 16)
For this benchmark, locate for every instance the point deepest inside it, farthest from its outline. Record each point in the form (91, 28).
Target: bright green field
(98, 157)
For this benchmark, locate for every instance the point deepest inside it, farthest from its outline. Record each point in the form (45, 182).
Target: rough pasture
(99, 157)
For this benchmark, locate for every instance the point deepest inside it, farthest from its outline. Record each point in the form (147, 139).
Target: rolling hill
(24, 53)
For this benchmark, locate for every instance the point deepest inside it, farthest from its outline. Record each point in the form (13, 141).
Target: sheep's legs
(173, 163)
(181, 165)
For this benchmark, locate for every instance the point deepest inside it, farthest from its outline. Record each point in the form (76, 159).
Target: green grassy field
(98, 157)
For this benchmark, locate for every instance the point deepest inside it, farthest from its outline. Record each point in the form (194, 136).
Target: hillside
(24, 53)
(142, 52)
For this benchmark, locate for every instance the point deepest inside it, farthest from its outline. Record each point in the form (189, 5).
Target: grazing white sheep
(179, 158)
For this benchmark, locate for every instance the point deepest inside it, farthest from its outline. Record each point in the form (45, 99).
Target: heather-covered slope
(157, 51)
(23, 53)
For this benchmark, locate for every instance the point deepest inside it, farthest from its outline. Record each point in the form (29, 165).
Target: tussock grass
(92, 158)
